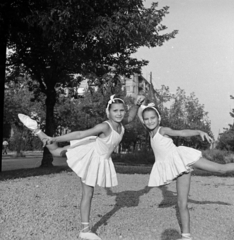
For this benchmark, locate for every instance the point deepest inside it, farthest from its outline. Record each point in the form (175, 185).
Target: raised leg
(210, 166)
(183, 187)
(33, 126)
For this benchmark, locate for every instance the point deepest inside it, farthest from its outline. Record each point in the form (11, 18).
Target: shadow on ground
(123, 199)
(170, 234)
(170, 200)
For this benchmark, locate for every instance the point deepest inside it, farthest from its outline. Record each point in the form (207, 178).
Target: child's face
(117, 112)
(150, 119)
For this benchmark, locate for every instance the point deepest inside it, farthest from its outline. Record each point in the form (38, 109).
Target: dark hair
(149, 109)
(116, 101)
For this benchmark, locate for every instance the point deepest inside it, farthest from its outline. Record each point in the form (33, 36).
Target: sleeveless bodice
(162, 146)
(105, 146)
(170, 161)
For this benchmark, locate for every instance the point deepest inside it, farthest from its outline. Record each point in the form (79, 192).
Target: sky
(200, 58)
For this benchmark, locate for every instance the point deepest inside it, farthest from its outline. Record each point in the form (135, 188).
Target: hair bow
(143, 107)
(112, 100)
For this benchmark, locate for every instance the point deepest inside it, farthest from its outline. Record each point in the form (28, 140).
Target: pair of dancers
(89, 156)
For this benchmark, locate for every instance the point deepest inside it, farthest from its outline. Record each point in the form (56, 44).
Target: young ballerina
(89, 154)
(176, 163)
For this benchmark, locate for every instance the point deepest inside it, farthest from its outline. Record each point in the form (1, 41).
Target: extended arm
(98, 129)
(185, 133)
(134, 109)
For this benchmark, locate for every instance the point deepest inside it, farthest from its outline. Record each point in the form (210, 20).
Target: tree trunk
(50, 127)
(4, 23)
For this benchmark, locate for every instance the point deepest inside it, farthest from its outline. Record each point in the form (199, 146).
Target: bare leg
(210, 166)
(86, 200)
(183, 187)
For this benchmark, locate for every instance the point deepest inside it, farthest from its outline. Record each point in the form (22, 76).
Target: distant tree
(179, 111)
(19, 99)
(226, 139)
(187, 113)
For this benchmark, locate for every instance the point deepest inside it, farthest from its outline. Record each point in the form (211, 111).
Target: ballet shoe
(185, 238)
(89, 236)
(29, 123)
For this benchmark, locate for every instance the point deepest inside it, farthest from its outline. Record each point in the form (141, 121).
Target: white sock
(186, 235)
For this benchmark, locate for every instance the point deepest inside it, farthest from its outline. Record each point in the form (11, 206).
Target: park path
(31, 160)
(46, 207)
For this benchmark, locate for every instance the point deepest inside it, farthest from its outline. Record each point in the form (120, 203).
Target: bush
(137, 157)
(219, 156)
(24, 142)
(147, 157)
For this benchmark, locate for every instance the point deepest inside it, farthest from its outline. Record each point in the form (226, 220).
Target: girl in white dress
(176, 163)
(89, 153)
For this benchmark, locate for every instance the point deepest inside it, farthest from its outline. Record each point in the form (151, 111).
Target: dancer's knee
(223, 168)
(182, 204)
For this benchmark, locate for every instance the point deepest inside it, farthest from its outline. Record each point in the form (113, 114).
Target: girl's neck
(153, 131)
(115, 125)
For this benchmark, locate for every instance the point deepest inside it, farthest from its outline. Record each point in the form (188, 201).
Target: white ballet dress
(170, 161)
(90, 158)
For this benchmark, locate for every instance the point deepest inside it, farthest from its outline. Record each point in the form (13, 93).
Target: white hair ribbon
(143, 107)
(112, 100)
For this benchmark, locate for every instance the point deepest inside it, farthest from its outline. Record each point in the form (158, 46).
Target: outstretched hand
(205, 136)
(47, 141)
(139, 100)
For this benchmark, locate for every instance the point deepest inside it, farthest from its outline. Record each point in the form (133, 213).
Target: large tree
(90, 37)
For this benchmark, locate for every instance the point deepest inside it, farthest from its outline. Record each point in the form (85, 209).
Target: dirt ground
(47, 207)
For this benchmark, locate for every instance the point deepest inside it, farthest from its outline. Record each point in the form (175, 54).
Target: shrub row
(147, 157)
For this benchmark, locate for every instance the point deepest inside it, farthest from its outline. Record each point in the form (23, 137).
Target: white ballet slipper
(185, 237)
(89, 236)
(29, 123)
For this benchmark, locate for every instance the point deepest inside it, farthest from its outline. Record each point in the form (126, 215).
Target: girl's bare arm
(96, 130)
(185, 133)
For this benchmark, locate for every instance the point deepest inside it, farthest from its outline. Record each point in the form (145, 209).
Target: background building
(135, 85)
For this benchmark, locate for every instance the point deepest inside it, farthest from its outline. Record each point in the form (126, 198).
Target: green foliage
(135, 158)
(19, 99)
(23, 140)
(226, 139)
(60, 38)
(219, 156)
(147, 157)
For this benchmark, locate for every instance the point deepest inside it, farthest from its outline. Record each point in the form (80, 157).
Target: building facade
(136, 85)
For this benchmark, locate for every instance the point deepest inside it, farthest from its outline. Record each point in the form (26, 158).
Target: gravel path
(47, 207)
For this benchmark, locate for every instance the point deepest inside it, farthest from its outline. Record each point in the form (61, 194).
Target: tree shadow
(123, 199)
(170, 234)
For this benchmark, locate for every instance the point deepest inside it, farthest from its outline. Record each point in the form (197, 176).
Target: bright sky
(201, 57)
